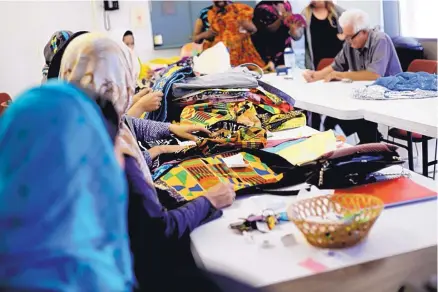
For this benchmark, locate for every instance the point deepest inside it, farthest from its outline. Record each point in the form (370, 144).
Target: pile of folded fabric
(238, 109)
(237, 91)
(315, 160)
(406, 85)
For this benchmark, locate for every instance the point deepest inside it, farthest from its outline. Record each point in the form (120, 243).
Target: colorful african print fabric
(225, 140)
(254, 115)
(273, 119)
(191, 178)
(226, 136)
(214, 96)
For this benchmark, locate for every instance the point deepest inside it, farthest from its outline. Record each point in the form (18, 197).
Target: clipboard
(394, 192)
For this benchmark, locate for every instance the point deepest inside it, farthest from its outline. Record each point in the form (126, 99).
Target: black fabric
(353, 166)
(325, 43)
(408, 49)
(55, 65)
(199, 280)
(341, 168)
(366, 130)
(269, 45)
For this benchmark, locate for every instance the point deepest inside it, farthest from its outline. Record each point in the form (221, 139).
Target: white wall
(27, 26)
(372, 7)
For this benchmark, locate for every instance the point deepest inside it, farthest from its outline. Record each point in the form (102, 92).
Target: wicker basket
(336, 234)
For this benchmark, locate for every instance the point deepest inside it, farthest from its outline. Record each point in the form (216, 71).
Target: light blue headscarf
(63, 196)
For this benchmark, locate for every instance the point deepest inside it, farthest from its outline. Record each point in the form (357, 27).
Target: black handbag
(352, 166)
(343, 168)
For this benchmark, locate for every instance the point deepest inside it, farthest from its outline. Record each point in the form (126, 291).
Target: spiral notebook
(395, 192)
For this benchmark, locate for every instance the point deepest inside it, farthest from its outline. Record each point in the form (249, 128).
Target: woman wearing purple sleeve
(107, 67)
(147, 130)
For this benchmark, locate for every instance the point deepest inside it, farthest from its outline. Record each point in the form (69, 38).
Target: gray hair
(359, 19)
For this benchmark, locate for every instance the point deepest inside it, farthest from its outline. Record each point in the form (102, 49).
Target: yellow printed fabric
(310, 149)
(245, 112)
(191, 178)
(144, 71)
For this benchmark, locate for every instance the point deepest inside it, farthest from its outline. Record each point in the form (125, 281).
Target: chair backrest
(429, 66)
(324, 63)
(4, 97)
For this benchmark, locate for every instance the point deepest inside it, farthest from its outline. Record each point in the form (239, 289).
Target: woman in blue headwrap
(63, 196)
(63, 203)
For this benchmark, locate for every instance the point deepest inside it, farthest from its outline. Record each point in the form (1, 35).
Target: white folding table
(401, 241)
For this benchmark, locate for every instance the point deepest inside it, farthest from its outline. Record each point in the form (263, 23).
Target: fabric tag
(235, 161)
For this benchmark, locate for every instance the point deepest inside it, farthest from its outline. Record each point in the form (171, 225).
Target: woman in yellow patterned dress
(231, 23)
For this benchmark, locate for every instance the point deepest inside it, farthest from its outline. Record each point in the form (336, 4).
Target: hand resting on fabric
(221, 195)
(154, 152)
(186, 131)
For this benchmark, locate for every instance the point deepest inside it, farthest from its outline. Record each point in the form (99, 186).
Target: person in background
(320, 39)
(111, 67)
(79, 224)
(128, 39)
(141, 102)
(64, 221)
(321, 33)
(275, 22)
(145, 72)
(57, 40)
(202, 25)
(367, 54)
(231, 23)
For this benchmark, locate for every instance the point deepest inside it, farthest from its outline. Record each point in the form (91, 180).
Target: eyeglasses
(351, 38)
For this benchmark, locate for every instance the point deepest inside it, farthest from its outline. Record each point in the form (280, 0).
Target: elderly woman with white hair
(367, 54)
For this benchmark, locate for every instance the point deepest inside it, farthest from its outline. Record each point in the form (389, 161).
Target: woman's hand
(221, 195)
(156, 151)
(185, 132)
(151, 101)
(140, 94)
(147, 101)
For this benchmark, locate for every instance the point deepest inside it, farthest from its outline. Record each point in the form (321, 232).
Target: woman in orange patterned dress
(231, 23)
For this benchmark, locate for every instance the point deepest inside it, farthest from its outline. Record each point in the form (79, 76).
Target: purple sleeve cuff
(147, 130)
(148, 158)
(192, 215)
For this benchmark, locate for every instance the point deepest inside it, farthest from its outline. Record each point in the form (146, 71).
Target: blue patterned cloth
(172, 75)
(63, 196)
(408, 81)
